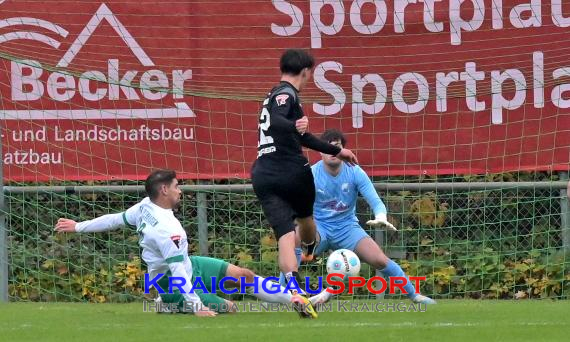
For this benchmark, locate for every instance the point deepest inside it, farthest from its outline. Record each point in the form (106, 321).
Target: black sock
(310, 247)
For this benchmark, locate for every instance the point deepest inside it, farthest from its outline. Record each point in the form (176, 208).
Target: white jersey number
(264, 123)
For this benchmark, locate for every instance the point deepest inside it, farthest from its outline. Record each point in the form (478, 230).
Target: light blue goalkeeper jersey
(335, 203)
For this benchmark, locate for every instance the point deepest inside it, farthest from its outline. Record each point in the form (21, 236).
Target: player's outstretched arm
(366, 188)
(381, 220)
(103, 223)
(314, 143)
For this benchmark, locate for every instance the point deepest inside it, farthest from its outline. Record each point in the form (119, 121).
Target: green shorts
(202, 267)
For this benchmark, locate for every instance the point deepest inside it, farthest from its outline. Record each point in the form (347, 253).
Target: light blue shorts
(347, 236)
(340, 237)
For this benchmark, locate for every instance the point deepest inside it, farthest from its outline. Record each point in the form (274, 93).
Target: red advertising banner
(97, 91)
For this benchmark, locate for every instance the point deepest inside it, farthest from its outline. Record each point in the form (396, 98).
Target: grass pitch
(451, 320)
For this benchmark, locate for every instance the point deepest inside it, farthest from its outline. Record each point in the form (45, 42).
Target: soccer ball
(343, 261)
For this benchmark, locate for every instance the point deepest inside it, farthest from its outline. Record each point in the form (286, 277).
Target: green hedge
(479, 244)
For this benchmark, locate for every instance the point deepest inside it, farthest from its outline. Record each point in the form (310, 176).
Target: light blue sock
(298, 253)
(394, 270)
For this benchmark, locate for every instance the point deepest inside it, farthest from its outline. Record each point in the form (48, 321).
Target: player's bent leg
(280, 214)
(287, 258)
(288, 261)
(289, 266)
(319, 237)
(265, 289)
(369, 251)
(216, 303)
(298, 256)
(240, 273)
(307, 229)
(270, 291)
(209, 269)
(308, 235)
(320, 244)
(302, 199)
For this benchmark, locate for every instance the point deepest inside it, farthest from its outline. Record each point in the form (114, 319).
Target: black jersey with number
(278, 141)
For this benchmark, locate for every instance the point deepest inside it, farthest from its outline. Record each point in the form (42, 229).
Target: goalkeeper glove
(381, 220)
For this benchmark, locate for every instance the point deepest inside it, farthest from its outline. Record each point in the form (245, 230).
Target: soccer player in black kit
(281, 175)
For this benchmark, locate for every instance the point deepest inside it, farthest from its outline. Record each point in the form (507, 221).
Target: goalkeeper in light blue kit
(337, 187)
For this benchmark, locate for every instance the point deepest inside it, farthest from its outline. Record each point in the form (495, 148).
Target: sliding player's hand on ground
(347, 156)
(205, 312)
(64, 225)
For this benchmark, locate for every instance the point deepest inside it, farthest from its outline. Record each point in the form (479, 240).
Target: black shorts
(284, 195)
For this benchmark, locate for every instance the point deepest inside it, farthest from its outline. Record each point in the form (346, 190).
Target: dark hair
(331, 135)
(156, 179)
(293, 61)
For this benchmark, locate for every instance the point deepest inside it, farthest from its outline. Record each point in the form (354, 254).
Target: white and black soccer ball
(343, 261)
